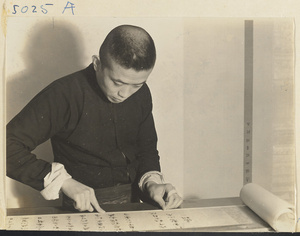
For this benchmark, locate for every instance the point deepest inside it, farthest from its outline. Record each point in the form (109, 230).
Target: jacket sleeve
(147, 141)
(40, 119)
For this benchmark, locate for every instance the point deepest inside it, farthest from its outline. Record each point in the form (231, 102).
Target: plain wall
(197, 87)
(213, 107)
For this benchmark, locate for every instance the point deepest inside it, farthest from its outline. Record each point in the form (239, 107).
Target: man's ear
(96, 63)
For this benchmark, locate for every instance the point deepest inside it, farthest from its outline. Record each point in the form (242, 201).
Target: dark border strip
(248, 101)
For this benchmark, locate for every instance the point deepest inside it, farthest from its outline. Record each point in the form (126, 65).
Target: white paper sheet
(154, 220)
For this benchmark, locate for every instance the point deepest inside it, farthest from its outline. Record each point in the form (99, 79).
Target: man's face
(119, 83)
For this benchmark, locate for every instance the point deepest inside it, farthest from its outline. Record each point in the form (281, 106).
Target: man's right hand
(84, 196)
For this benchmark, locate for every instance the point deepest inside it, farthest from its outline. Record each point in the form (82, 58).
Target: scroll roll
(279, 214)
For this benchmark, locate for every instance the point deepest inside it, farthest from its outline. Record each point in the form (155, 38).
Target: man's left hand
(164, 194)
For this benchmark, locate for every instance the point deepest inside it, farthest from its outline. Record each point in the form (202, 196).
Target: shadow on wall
(51, 50)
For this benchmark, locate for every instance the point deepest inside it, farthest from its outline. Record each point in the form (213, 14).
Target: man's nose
(125, 92)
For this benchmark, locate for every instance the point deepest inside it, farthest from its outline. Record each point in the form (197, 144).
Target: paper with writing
(134, 220)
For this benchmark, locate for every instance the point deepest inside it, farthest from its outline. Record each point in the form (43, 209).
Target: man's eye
(117, 83)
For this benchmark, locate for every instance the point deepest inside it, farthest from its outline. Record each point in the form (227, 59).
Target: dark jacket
(101, 144)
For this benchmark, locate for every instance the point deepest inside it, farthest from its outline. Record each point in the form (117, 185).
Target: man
(101, 128)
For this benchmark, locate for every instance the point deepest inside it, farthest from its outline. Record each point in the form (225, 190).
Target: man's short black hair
(129, 46)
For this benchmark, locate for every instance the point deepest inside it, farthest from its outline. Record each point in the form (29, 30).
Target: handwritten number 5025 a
(33, 9)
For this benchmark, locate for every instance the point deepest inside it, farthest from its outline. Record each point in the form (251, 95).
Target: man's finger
(160, 201)
(95, 203)
(171, 196)
(174, 201)
(179, 202)
(87, 202)
(78, 203)
(170, 201)
(91, 209)
(171, 192)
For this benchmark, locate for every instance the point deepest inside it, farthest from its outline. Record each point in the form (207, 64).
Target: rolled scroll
(279, 214)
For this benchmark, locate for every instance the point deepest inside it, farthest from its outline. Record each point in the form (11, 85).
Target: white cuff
(54, 180)
(154, 176)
